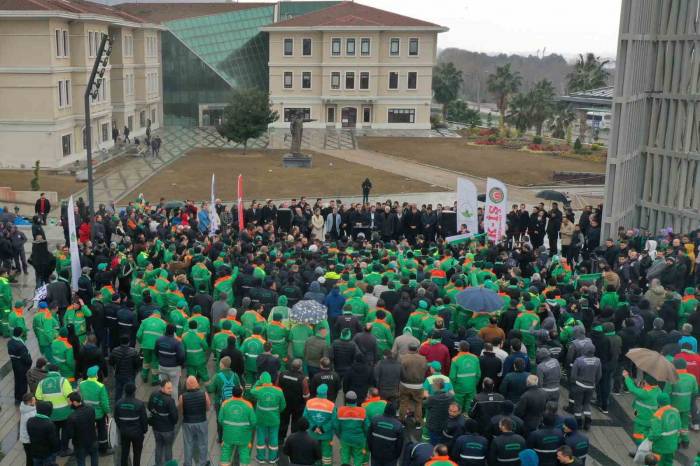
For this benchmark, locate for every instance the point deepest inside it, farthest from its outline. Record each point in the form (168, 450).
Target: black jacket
(19, 355)
(343, 354)
(58, 294)
(302, 449)
(130, 415)
(346, 321)
(76, 427)
(163, 411)
(43, 434)
(237, 360)
(328, 377)
(490, 366)
(91, 355)
(387, 375)
(358, 379)
(505, 447)
(126, 362)
(385, 438)
(170, 352)
(486, 405)
(437, 407)
(470, 450)
(531, 407)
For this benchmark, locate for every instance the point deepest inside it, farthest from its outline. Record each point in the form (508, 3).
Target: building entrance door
(349, 117)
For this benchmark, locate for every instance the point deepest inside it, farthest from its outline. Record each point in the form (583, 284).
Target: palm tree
(520, 112)
(561, 120)
(589, 73)
(447, 80)
(542, 103)
(502, 84)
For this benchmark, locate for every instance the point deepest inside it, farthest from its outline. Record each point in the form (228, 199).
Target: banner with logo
(75, 269)
(495, 213)
(467, 206)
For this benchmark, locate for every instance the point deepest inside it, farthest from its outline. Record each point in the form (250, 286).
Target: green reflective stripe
(268, 408)
(232, 423)
(468, 374)
(644, 405)
(669, 433)
(681, 393)
(276, 341)
(152, 332)
(195, 350)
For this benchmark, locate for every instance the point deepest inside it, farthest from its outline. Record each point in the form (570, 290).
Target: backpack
(227, 389)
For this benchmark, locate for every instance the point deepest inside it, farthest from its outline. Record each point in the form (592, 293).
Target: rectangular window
(402, 115)
(288, 79)
(130, 122)
(306, 47)
(66, 144)
(306, 80)
(289, 112)
(66, 44)
(412, 80)
(59, 43)
(413, 47)
(331, 114)
(364, 46)
(349, 80)
(288, 47)
(364, 80)
(61, 94)
(394, 47)
(366, 115)
(153, 116)
(91, 44)
(105, 132)
(142, 118)
(393, 80)
(350, 47)
(128, 45)
(335, 80)
(68, 92)
(335, 47)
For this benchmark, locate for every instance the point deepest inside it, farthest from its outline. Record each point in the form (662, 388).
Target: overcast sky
(516, 26)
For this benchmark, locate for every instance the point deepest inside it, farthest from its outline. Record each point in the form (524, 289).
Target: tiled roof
(600, 93)
(163, 12)
(351, 14)
(68, 6)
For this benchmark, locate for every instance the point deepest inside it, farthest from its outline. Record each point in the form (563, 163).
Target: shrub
(492, 138)
(577, 145)
(537, 140)
(34, 182)
(595, 147)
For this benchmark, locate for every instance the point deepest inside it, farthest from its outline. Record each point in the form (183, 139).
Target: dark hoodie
(43, 434)
(334, 302)
(315, 293)
(359, 378)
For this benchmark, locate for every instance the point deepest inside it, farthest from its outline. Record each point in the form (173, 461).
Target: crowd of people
(398, 371)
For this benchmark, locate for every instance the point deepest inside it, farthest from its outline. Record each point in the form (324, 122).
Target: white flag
(467, 206)
(74, 253)
(213, 217)
(495, 213)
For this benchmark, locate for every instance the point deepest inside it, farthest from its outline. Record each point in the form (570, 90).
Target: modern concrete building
(47, 50)
(351, 65)
(653, 168)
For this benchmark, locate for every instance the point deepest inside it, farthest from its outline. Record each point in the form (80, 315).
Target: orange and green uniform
(238, 421)
(688, 305)
(382, 332)
(219, 342)
(664, 432)
(195, 345)
(269, 404)
(178, 317)
(77, 316)
(252, 347)
(645, 405)
(440, 461)
(16, 319)
(320, 413)
(62, 352)
(526, 322)
(351, 428)
(682, 395)
(374, 406)
(45, 327)
(465, 372)
(250, 319)
(224, 284)
(152, 328)
(277, 335)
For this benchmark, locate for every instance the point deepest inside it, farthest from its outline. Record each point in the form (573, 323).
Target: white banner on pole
(75, 268)
(213, 216)
(495, 213)
(467, 206)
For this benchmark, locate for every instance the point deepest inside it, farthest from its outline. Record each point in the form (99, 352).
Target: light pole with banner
(91, 92)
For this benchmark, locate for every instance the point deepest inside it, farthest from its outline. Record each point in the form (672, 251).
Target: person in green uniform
(235, 327)
(63, 357)
(252, 347)
(203, 324)
(269, 403)
(688, 305)
(221, 387)
(16, 319)
(252, 318)
(201, 277)
(645, 405)
(220, 339)
(277, 335)
(374, 405)
(196, 348)
(664, 430)
(178, 317)
(224, 284)
(465, 373)
(382, 332)
(45, 326)
(55, 389)
(238, 421)
(95, 395)
(321, 413)
(351, 428)
(76, 314)
(682, 394)
(358, 306)
(282, 309)
(528, 321)
(151, 328)
(298, 335)
(415, 320)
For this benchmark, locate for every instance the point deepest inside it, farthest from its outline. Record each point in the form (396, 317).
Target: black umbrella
(551, 195)
(174, 205)
(481, 197)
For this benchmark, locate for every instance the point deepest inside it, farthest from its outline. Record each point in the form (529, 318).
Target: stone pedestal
(296, 161)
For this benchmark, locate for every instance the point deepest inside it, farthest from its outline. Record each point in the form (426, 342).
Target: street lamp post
(91, 91)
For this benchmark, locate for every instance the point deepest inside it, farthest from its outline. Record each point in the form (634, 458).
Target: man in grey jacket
(585, 375)
(387, 374)
(549, 374)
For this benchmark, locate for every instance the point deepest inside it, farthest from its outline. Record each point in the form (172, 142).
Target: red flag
(241, 222)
